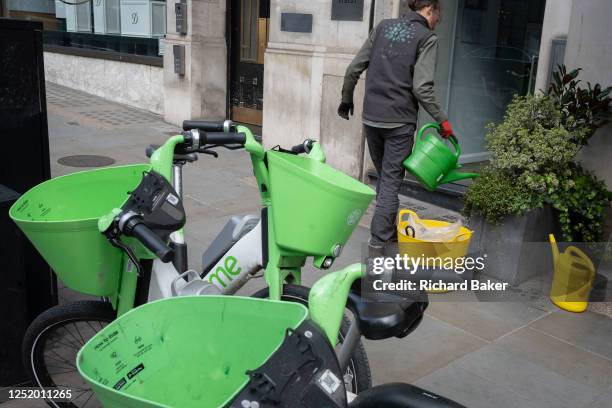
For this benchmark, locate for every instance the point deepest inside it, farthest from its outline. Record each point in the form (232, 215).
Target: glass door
(488, 52)
(249, 30)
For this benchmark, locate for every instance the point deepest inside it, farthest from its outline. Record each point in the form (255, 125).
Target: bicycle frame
(279, 264)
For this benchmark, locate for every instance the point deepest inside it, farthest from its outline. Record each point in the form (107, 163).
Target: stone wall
(303, 79)
(202, 91)
(589, 47)
(556, 24)
(136, 85)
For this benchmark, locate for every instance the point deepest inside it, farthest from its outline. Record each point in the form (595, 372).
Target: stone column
(202, 91)
(589, 48)
(556, 24)
(303, 79)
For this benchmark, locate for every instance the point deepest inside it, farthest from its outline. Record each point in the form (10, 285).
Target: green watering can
(432, 162)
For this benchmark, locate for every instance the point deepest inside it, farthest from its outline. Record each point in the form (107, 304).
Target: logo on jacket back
(397, 33)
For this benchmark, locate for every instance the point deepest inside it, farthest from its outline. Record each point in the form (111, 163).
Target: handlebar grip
(207, 126)
(222, 138)
(152, 242)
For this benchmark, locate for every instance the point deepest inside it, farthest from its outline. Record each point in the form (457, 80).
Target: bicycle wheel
(357, 377)
(52, 342)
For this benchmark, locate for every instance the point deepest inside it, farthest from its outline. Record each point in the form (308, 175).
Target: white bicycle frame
(234, 268)
(242, 261)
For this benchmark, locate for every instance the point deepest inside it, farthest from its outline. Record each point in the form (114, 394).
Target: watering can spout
(455, 175)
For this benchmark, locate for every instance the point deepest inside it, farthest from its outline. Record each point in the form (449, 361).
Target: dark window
(113, 27)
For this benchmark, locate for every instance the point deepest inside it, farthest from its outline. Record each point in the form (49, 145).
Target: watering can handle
(432, 125)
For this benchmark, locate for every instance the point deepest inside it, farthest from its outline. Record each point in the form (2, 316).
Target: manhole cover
(86, 160)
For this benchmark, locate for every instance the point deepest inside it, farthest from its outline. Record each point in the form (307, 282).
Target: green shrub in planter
(581, 201)
(530, 144)
(496, 195)
(533, 163)
(582, 109)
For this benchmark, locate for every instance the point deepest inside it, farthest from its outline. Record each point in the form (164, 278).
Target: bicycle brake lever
(211, 152)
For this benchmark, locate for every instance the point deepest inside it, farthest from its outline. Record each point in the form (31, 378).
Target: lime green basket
(185, 352)
(60, 217)
(315, 207)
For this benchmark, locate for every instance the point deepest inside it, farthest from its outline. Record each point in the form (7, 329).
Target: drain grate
(86, 160)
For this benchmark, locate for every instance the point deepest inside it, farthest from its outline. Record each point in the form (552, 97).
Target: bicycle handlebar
(209, 126)
(135, 227)
(222, 138)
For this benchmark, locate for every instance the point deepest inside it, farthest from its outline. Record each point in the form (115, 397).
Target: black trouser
(388, 149)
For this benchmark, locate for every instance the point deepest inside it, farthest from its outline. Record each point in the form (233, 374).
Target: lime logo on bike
(229, 269)
(353, 217)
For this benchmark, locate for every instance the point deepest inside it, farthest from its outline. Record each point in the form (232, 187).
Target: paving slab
(602, 401)
(432, 345)
(487, 320)
(472, 390)
(590, 331)
(531, 383)
(570, 361)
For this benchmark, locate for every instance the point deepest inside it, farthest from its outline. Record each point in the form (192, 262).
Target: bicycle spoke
(79, 332)
(74, 398)
(65, 338)
(73, 388)
(71, 335)
(87, 401)
(68, 345)
(60, 372)
(56, 361)
(60, 359)
(92, 328)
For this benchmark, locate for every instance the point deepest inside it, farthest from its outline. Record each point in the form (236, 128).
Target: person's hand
(345, 109)
(446, 130)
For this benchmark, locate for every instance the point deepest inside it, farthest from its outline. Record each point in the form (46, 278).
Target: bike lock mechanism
(304, 147)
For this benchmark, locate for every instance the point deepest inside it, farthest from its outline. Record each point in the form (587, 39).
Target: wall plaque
(296, 22)
(347, 10)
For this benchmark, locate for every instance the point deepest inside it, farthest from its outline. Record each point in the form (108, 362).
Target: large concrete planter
(517, 249)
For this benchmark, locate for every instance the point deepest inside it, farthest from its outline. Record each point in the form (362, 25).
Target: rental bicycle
(262, 354)
(117, 233)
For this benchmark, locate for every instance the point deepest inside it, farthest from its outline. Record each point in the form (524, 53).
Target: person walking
(400, 56)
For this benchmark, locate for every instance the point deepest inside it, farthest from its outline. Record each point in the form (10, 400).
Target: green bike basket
(60, 217)
(315, 207)
(185, 352)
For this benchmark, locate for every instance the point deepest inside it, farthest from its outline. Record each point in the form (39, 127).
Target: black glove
(345, 109)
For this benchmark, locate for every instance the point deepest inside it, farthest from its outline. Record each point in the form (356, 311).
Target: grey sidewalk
(503, 355)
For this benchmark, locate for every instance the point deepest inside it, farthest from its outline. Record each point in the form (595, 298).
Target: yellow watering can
(572, 279)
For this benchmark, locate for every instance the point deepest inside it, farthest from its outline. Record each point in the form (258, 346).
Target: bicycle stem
(162, 158)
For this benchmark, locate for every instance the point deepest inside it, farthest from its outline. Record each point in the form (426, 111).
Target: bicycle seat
(398, 395)
(387, 316)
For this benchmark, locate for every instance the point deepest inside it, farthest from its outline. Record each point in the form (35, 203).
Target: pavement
(506, 355)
